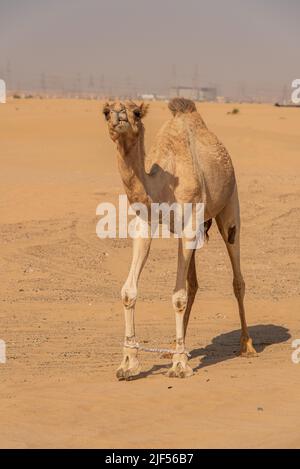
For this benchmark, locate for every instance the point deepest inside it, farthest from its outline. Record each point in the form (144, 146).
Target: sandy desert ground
(61, 316)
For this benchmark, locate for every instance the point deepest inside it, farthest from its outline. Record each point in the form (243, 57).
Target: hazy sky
(255, 42)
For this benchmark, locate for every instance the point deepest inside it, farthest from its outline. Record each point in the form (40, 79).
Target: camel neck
(131, 161)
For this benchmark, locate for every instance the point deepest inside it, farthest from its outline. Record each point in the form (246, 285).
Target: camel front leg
(180, 367)
(130, 365)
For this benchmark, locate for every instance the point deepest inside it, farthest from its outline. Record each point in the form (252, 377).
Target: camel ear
(144, 109)
(141, 110)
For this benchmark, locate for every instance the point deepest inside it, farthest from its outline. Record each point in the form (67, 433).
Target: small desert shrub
(234, 111)
(16, 96)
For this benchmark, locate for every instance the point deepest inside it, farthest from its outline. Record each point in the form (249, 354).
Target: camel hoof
(130, 365)
(180, 370)
(120, 374)
(131, 373)
(171, 373)
(186, 372)
(127, 375)
(247, 349)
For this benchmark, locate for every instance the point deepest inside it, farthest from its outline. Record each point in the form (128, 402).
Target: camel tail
(177, 105)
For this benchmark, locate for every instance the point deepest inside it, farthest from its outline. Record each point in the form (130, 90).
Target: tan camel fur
(187, 163)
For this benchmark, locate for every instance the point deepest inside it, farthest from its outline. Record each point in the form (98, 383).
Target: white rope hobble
(155, 350)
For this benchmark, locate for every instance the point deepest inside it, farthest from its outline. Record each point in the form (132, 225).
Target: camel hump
(177, 105)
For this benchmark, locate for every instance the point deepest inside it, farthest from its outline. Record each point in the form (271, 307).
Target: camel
(188, 164)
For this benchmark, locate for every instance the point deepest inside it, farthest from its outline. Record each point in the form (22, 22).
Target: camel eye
(106, 113)
(137, 113)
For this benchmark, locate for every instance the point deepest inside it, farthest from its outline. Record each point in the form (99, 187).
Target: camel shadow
(226, 346)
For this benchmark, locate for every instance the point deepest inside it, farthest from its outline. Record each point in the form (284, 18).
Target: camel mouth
(121, 127)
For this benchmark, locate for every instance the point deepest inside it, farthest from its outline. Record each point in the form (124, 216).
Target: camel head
(124, 119)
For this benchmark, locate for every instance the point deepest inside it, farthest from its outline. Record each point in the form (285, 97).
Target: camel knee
(129, 296)
(239, 287)
(179, 300)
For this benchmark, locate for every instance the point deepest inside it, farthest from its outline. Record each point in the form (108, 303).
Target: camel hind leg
(192, 287)
(192, 281)
(228, 221)
(180, 299)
